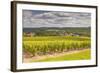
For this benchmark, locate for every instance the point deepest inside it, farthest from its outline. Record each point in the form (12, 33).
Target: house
(74, 34)
(29, 34)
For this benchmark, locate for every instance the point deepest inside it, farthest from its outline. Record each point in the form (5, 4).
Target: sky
(38, 18)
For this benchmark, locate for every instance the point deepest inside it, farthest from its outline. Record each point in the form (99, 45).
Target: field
(46, 42)
(49, 45)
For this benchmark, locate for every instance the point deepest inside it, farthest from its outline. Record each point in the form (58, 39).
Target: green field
(81, 55)
(49, 41)
(49, 45)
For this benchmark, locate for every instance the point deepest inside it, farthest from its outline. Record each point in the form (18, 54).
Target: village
(32, 34)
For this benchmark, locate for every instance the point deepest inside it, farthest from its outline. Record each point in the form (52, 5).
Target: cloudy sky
(37, 18)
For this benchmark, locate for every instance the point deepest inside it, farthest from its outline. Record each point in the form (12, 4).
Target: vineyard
(45, 45)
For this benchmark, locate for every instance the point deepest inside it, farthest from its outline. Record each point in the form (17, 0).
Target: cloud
(33, 19)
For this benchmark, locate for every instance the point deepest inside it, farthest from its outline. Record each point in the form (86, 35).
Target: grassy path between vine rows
(71, 55)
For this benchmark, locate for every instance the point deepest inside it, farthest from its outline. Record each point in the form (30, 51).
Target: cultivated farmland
(52, 42)
(50, 45)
